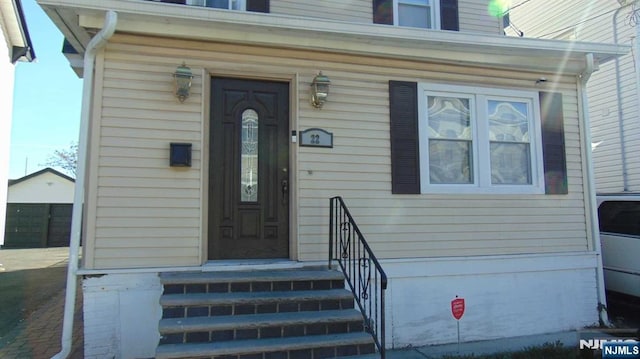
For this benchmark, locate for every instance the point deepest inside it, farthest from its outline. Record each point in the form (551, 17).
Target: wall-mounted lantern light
(319, 90)
(182, 77)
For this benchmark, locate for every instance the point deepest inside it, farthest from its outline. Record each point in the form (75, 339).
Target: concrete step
(304, 313)
(244, 303)
(363, 356)
(242, 322)
(248, 276)
(211, 299)
(327, 346)
(251, 281)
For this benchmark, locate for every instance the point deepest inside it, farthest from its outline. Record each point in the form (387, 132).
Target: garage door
(33, 225)
(59, 225)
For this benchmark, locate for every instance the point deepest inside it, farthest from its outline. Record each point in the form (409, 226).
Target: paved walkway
(568, 339)
(36, 258)
(38, 335)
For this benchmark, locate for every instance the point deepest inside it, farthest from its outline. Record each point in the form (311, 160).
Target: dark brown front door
(249, 169)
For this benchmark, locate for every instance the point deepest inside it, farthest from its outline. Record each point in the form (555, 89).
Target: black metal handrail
(356, 260)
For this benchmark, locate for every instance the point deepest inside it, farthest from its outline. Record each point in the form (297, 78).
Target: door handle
(284, 185)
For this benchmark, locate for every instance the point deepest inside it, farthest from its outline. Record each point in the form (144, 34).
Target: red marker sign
(457, 308)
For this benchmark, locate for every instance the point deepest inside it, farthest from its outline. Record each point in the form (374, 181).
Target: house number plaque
(316, 137)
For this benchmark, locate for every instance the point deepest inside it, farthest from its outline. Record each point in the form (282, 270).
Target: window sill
(467, 189)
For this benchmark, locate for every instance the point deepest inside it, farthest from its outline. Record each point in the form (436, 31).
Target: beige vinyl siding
(605, 110)
(474, 17)
(605, 129)
(473, 14)
(599, 21)
(630, 106)
(141, 203)
(341, 10)
(537, 18)
(148, 214)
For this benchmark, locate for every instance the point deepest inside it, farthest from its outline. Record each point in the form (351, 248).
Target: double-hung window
(426, 14)
(416, 13)
(219, 4)
(479, 140)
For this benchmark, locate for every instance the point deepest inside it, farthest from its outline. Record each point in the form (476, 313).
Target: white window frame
(435, 14)
(242, 5)
(481, 143)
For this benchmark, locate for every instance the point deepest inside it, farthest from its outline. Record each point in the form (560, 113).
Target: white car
(619, 216)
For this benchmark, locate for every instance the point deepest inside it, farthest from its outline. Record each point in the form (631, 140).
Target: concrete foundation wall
(505, 296)
(121, 315)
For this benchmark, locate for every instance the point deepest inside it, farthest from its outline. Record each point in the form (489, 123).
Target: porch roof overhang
(14, 26)
(77, 19)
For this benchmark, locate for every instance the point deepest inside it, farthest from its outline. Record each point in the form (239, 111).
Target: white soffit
(191, 22)
(10, 24)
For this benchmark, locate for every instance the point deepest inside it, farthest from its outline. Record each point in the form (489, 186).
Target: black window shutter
(405, 156)
(553, 146)
(258, 5)
(383, 12)
(449, 15)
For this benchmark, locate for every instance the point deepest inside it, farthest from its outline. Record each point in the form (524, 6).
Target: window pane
(220, 4)
(510, 163)
(450, 135)
(621, 217)
(414, 16)
(415, 2)
(249, 157)
(508, 121)
(510, 148)
(450, 162)
(449, 117)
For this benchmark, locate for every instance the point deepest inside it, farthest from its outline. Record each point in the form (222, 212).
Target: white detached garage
(39, 208)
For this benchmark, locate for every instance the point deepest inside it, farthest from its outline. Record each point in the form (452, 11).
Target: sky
(46, 99)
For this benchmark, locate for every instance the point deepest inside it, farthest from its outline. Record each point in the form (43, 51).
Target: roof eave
(20, 45)
(188, 22)
(38, 173)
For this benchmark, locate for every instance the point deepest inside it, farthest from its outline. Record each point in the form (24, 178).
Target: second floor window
(424, 14)
(219, 4)
(415, 13)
